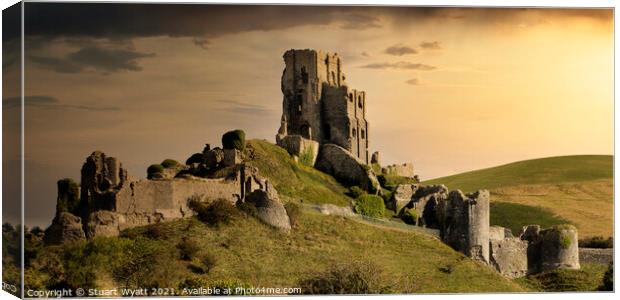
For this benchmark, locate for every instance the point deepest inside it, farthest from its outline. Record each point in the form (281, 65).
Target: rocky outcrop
(269, 209)
(102, 223)
(65, 228)
(401, 196)
(302, 148)
(426, 201)
(346, 168)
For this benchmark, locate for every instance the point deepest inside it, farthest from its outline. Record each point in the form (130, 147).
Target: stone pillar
(559, 248)
(375, 158)
(466, 224)
(479, 225)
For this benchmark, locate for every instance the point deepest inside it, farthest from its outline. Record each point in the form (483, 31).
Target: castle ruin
(319, 105)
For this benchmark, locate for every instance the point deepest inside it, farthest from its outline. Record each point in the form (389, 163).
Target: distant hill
(551, 170)
(566, 189)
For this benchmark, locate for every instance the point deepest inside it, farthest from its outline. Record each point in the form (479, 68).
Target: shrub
(68, 196)
(248, 208)
(306, 157)
(154, 231)
(195, 158)
(221, 211)
(386, 195)
(154, 169)
(293, 210)
(608, 279)
(208, 262)
(410, 216)
(234, 140)
(370, 205)
(596, 242)
(355, 192)
(353, 278)
(193, 282)
(169, 163)
(187, 249)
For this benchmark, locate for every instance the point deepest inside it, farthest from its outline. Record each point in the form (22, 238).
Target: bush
(69, 198)
(608, 278)
(386, 195)
(234, 140)
(194, 282)
(187, 249)
(169, 163)
(596, 242)
(248, 208)
(370, 205)
(154, 231)
(293, 210)
(154, 169)
(195, 158)
(207, 263)
(355, 278)
(410, 216)
(221, 211)
(355, 192)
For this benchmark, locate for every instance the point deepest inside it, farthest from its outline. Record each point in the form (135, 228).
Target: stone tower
(318, 105)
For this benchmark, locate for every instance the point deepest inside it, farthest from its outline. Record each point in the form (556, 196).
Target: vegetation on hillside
(516, 216)
(292, 179)
(588, 278)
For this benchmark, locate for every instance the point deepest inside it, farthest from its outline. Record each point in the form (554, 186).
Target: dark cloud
(122, 20)
(51, 103)
(404, 65)
(96, 58)
(237, 107)
(413, 81)
(430, 45)
(400, 50)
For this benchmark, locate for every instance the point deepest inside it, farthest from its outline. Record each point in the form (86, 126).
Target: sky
(448, 89)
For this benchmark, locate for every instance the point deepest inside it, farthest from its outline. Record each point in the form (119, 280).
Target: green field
(547, 191)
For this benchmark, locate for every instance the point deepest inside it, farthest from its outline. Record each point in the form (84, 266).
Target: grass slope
(253, 254)
(547, 191)
(292, 179)
(552, 170)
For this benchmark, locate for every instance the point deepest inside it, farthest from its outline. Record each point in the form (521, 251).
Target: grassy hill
(242, 251)
(547, 191)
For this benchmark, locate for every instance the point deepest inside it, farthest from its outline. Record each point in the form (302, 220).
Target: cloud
(430, 45)
(50, 102)
(96, 58)
(400, 50)
(237, 107)
(403, 65)
(413, 81)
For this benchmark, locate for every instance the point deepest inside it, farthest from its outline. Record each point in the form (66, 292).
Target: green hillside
(547, 191)
(552, 170)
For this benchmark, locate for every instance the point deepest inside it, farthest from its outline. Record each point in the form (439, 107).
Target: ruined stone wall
(467, 223)
(148, 201)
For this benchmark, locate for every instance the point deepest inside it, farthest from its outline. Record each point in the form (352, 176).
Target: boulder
(402, 195)
(269, 209)
(65, 228)
(300, 147)
(508, 256)
(347, 168)
(102, 223)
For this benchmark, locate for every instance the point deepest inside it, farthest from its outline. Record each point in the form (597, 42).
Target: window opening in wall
(363, 134)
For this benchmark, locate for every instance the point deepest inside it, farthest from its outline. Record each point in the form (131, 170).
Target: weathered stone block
(497, 233)
(405, 170)
(102, 223)
(298, 146)
(232, 157)
(269, 209)
(346, 168)
(509, 256)
(402, 195)
(65, 228)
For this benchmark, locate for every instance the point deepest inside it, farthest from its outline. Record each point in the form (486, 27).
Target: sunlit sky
(448, 89)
